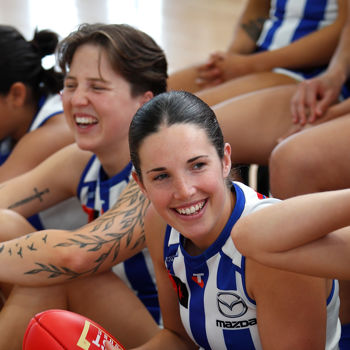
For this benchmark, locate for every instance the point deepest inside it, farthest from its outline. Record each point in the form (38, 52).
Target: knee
(289, 166)
(13, 225)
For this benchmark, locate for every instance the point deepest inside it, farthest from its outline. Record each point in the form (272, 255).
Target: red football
(61, 329)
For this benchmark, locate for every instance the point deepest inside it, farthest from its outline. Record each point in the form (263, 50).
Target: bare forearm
(54, 256)
(293, 222)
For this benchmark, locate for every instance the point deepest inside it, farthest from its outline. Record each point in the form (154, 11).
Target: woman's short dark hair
(20, 61)
(166, 109)
(131, 52)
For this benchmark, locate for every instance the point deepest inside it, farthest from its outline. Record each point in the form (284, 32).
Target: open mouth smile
(85, 121)
(191, 210)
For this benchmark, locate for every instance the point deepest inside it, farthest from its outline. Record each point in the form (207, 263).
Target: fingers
(306, 104)
(298, 105)
(324, 104)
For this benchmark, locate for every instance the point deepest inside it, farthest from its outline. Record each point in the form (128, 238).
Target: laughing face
(97, 102)
(184, 178)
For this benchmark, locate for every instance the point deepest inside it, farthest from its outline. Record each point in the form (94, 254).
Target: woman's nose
(184, 188)
(79, 97)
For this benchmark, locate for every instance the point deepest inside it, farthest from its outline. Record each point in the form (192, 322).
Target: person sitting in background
(316, 156)
(274, 43)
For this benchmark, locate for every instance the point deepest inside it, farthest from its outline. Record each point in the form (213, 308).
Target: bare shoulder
(74, 155)
(155, 228)
(72, 160)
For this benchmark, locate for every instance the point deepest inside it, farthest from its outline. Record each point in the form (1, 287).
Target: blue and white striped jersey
(215, 308)
(97, 194)
(290, 20)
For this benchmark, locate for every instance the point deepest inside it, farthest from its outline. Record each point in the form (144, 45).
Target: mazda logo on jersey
(231, 304)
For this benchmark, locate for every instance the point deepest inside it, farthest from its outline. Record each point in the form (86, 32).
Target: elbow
(75, 262)
(241, 238)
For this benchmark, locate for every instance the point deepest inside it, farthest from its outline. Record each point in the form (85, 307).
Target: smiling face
(98, 103)
(184, 178)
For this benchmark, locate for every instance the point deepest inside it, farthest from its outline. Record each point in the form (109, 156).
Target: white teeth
(85, 120)
(191, 210)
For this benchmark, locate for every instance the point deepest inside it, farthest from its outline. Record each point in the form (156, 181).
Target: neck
(114, 162)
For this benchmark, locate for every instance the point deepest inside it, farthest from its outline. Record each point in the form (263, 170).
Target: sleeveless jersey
(67, 214)
(290, 20)
(215, 310)
(97, 194)
(48, 108)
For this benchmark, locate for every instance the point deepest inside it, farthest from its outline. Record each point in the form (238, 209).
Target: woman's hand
(313, 98)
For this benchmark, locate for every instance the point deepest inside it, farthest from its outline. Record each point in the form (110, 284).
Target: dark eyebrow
(196, 158)
(191, 160)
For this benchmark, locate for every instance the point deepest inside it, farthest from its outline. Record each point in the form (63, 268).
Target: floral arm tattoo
(127, 215)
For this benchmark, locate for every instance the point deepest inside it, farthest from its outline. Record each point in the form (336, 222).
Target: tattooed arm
(219, 66)
(249, 27)
(54, 256)
(303, 53)
(51, 182)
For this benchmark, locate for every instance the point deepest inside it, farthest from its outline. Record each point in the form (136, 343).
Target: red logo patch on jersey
(261, 196)
(197, 277)
(92, 213)
(181, 290)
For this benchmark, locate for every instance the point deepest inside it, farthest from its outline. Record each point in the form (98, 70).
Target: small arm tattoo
(254, 27)
(37, 195)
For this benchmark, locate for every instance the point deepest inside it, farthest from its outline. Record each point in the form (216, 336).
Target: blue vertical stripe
(142, 282)
(278, 20)
(226, 268)
(241, 340)
(308, 25)
(196, 308)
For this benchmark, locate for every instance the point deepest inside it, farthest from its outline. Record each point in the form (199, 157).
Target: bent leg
(13, 225)
(22, 304)
(243, 85)
(253, 122)
(314, 160)
(184, 79)
(106, 299)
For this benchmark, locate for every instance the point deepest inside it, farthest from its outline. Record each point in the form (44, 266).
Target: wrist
(255, 63)
(337, 74)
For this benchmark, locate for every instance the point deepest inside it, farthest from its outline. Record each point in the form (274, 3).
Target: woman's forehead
(175, 138)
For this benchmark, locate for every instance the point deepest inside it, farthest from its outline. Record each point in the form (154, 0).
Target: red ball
(61, 329)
